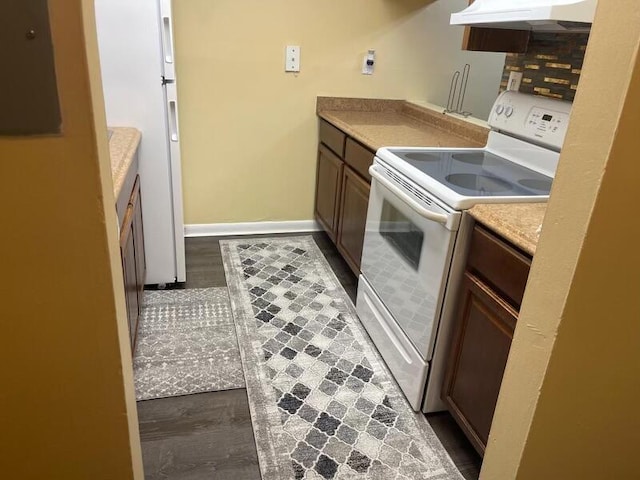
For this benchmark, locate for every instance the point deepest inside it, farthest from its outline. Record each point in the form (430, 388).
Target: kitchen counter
(517, 223)
(122, 147)
(383, 123)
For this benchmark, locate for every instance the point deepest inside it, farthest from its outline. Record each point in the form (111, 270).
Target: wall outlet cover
(515, 79)
(292, 58)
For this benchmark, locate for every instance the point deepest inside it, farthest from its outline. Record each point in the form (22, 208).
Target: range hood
(537, 15)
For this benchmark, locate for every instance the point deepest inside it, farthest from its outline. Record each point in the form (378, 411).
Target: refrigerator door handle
(173, 121)
(172, 111)
(167, 39)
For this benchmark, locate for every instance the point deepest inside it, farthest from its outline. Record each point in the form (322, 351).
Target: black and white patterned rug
(323, 404)
(186, 344)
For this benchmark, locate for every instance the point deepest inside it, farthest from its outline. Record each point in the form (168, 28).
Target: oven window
(401, 234)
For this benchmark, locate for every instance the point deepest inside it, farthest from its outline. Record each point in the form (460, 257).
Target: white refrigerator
(135, 41)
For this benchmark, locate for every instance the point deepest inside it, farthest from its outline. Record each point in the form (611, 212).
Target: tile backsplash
(551, 66)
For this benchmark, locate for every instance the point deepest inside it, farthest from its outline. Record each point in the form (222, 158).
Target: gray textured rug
(323, 404)
(186, 344)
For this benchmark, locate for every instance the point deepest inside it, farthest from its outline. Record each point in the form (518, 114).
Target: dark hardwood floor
(460, 450)
(201, 436)
(209, 435)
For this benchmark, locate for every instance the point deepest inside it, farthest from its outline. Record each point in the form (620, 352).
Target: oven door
(408, 246)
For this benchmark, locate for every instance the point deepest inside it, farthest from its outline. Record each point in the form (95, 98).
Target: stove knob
(499, 109)
(508, 111)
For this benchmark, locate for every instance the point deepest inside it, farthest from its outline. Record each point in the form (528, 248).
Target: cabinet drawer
(358, 157)
(123, 200)
(332, 138)
(499, 264)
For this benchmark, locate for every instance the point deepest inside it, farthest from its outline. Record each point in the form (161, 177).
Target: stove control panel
(546, 123)
(532, 118)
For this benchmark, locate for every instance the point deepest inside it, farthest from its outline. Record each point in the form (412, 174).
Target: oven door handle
(419, 209)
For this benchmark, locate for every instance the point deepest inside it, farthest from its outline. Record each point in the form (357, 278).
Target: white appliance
(417, 232)
(135, 42)
(539, 15)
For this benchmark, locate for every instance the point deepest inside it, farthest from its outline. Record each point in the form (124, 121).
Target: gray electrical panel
(29, 102)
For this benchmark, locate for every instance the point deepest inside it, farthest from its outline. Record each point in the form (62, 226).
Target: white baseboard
(251, 228)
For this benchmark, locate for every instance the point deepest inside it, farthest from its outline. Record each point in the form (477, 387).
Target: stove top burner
(481, 183)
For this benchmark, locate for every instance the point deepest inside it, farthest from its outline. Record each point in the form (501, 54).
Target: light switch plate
(292, 58)
(368, 62)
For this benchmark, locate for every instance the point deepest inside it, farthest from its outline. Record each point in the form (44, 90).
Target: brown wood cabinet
(328, 185)
(342, 191)
(353, 216)
(133, 261)
(128, 253)
(138, 240)
(495, 39)
(490, 297)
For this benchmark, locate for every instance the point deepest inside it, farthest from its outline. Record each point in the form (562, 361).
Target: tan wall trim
(569, 396)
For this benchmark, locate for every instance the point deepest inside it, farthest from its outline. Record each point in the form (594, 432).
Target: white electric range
(417, 231)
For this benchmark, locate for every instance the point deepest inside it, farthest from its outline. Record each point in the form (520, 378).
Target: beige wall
(67, 402)
(568, 405)
(249, 130)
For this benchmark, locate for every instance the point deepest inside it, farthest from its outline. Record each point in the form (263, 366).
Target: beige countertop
(384, 123)
(517, 222)
(122, 147)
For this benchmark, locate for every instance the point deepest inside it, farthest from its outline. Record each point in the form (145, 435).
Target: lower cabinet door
(352, 218)
(328, 182)
(138, 238)
(482, 340)
(127, 250)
